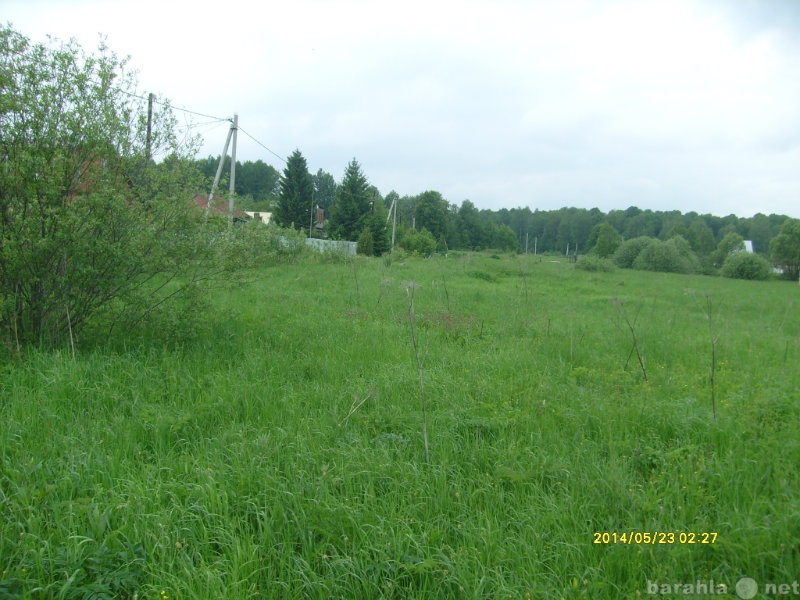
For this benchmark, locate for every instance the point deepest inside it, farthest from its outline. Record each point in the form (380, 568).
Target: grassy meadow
(269, 443)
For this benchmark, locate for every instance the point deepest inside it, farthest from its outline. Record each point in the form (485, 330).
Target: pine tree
(296, 194)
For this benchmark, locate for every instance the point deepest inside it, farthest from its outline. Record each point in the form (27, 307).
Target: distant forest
(465, 227)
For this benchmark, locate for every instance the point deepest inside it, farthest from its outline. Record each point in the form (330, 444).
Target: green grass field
(271, 446)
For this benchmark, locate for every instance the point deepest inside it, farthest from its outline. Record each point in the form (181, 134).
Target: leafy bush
(729, 245)
(590, 262)
(253, 244)
(627, 253)
(743, 265)
(332, 255)
(684, 248)
(88, 218)
(483, 276)
(421, 242)
(664, 257)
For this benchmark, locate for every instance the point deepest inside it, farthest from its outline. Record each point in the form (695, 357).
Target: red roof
(219, 206)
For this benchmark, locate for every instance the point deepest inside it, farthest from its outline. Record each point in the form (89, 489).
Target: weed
(410, 287)
(618, 304)
(713, 337)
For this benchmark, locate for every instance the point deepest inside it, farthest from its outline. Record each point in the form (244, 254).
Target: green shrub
(663, 257)
(684, 248)
(366, 244)
(89, 220)
(627, 253)
(590, 262)
(730, 244)
(253, 244)
(604, 240)
(419, 242)
(743, 265)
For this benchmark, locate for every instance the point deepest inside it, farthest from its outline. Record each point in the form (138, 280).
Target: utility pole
(393, 214)
(311, 220)
(394, 223)
(231, 135)
(234, 129)
(219, 170)
(150, 99)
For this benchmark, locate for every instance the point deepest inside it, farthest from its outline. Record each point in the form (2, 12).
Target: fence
(336, 246)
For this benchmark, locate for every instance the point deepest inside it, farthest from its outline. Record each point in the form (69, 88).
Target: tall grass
(271, 447)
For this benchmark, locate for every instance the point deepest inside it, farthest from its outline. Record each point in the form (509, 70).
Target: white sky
(669, 105)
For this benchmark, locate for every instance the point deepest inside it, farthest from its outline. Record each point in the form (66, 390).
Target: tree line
(427, 222)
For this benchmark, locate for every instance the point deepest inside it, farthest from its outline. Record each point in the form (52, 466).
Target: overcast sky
(669, 105)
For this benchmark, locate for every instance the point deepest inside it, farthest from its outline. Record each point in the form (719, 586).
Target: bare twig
(69, 319)
(712, 378)
(16, 318)
(358, 291)
(71, 340)
(357, 403)
(618, 304)
(446, 291)
(524, 275)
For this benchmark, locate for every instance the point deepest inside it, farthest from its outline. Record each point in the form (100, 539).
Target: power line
(192, 112)
(215, 122)
(172, 106)
(262, 145)
(206, 116)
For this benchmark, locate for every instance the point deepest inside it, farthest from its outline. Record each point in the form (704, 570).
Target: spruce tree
(296, 194)
(376, 222)
(352, 203)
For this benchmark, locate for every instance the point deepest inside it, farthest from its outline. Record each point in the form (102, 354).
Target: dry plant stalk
(713, 338)
(357, 403)
(632, 328)
(358, 289)
(409, 286)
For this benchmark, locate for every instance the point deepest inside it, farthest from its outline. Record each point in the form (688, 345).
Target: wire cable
(215, 120)
(172, 106)
(191, 112)
(262, 145)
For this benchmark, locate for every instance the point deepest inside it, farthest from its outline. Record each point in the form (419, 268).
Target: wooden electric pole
(393, 214)
(231, 135)
(150, 99)
(234, 129)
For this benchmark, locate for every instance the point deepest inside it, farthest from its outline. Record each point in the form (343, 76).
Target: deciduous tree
(430, 212)
(324, 189)
(606, 240)
(785, 248)
(732, 242)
